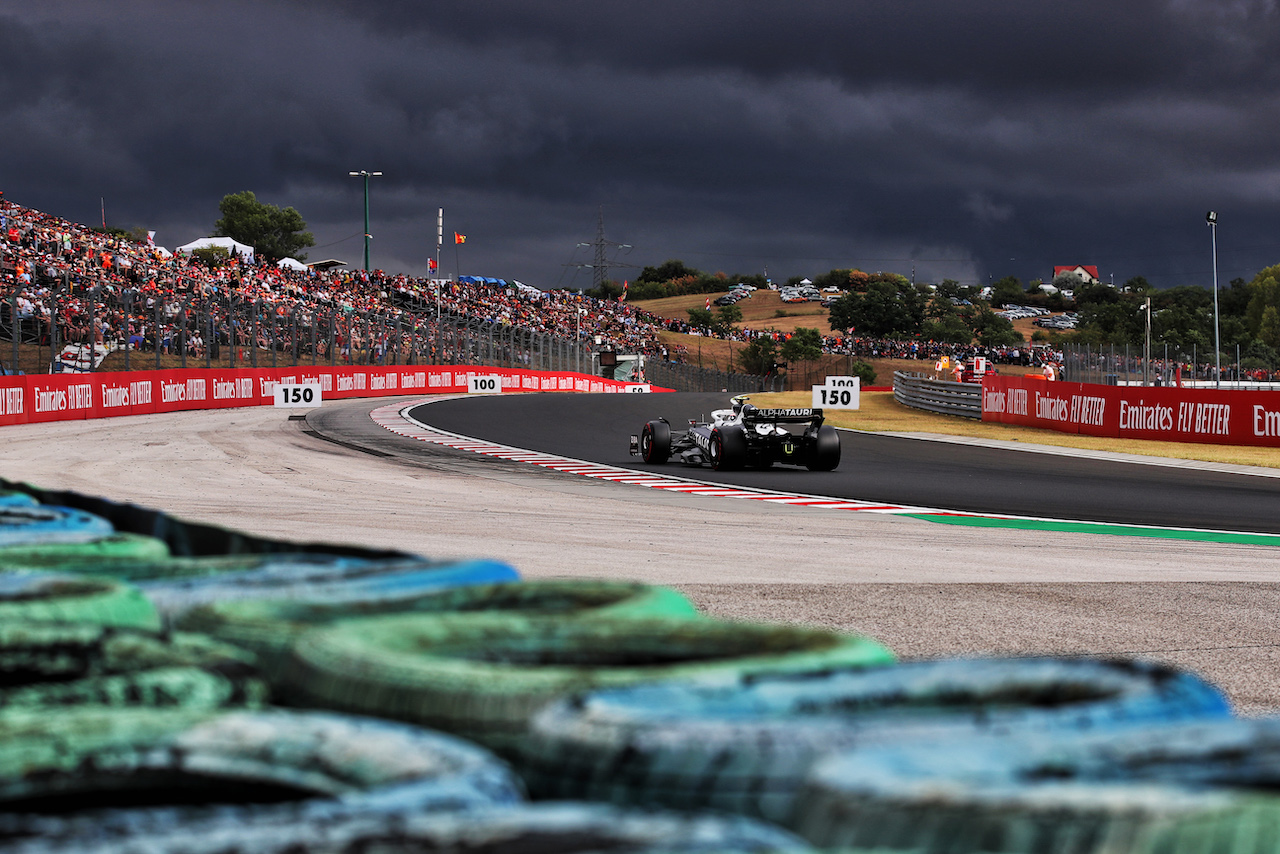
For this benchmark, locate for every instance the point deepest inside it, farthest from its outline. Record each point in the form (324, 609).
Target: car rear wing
(752, 415)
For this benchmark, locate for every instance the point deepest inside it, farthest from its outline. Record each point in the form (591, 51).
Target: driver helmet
(738, 403)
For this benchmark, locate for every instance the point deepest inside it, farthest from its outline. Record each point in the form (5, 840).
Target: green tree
(759, 355)
(944, 323)
(864, 372)
(700, 317)
(273, 233)
(886, 309)
(1269, 332)
(1006, 290)
(1264, 291)
(804, 345)
(667, 271)
(992, 330)
(728, 315)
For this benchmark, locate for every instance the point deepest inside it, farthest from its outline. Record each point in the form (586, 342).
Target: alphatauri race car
(743, 436)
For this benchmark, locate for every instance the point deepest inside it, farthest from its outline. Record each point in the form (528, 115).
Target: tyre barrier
(1188, 788)
(744, 745)
(268, 627)
(52, 597)
(93, 777)
(13, 498)
(320, 576)
(22, 525)
(115, 555)
(565, 828)
(62, 664)
(484, 676)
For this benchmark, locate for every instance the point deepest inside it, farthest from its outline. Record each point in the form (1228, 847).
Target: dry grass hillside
(760, 311)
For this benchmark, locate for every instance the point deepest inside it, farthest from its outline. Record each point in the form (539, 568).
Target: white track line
(395, 417)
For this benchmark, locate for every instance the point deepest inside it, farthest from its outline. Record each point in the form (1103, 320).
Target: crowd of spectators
(91, 272)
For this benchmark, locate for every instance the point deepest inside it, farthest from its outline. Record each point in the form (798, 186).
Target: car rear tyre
(728, 448)
(826, 449)
(655, 442)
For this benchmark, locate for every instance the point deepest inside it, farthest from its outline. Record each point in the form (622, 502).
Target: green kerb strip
(1101, 528)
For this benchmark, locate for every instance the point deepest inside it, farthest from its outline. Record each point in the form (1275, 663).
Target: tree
(759, 355)
(668, 271)
(991, 329)
(885, 310)
(728, 316)
(273, 233)
(804, 345)
(1006, 290)
(700, 317)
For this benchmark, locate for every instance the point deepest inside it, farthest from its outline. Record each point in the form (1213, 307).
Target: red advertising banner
(1209, 416)
(66, 397)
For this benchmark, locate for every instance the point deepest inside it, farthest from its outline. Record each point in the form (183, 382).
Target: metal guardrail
(941, 396)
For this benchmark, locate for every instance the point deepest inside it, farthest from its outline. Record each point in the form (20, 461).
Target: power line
(600, 265)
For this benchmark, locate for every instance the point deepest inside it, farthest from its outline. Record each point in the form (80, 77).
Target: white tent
(225, 242)
(291, 264)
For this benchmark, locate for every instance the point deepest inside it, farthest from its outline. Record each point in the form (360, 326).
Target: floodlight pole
(365, 174)
(1212, 218)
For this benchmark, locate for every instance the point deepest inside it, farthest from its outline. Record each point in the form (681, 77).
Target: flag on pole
(622, 297)
(431, 264)
(708, 303)
(459, 238)
(151, 238)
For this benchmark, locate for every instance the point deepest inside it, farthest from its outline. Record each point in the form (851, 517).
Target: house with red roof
(1087, 273)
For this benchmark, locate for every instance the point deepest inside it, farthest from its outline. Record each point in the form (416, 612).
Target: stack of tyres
(37, 524)
(56, 665)
(54, 597)
(269, 626)
(558, 828)
(290, 576)
(745, 744)
(1205, 788)
(484, 676)
(92, 775)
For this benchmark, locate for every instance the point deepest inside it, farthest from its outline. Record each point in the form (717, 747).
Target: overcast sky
(972, 140)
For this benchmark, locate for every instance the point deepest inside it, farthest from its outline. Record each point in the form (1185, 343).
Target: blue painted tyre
(1206, 787)
(562, 828)
(320, 577)
(180, 770)
(24, 525)
(269, 626)
(52, 597)
(744, 745)
(58, 665)
(13, 498)
(484, 676)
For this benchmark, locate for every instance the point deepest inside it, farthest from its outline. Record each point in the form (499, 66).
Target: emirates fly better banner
(66, 397)
(1227, 417)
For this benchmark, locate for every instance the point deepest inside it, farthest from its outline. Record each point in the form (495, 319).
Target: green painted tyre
(269, 626)
(565, 828)
(1189, 789)
(63, 664)
(101, 776)
(483, 677)
(113, 556)
(52, 597)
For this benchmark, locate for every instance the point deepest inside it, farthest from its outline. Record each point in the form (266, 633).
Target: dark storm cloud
(971, 140)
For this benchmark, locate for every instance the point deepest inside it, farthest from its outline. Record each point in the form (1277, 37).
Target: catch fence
(73, 328)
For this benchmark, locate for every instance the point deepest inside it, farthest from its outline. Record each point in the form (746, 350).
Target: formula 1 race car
(742, 436)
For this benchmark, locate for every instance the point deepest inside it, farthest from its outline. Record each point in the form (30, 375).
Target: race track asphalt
(884, 468)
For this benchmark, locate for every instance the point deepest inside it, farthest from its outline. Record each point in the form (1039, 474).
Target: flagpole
(439, 241)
